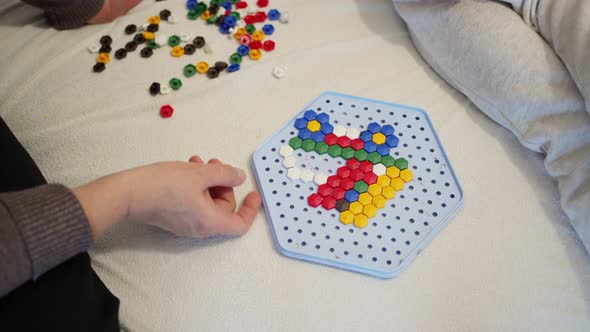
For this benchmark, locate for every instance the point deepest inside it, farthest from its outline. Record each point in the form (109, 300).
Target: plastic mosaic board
(357, 184)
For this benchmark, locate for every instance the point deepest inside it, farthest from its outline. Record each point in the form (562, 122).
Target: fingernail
(241, 173)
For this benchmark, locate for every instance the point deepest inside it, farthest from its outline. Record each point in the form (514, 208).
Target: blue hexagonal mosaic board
(398, 232)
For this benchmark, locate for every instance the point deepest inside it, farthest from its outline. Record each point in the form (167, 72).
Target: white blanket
(518, 79)
(508, 261)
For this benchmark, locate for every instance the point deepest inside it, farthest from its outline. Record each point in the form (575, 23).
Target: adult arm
(71, 14)
(68, 14)
(42, 227)
(39, 229)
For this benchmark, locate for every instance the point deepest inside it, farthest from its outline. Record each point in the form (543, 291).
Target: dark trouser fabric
(70, 297)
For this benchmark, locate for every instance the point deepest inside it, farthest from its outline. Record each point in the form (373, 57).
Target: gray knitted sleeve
(39, 229)
(68, 14)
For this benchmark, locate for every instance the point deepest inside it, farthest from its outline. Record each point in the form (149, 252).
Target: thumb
(235, 223)
(221, 175)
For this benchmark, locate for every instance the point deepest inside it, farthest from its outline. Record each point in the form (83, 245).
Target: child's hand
(188, 199)
(111, 9)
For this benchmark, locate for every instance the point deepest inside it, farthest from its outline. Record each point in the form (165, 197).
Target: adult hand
(191, 199)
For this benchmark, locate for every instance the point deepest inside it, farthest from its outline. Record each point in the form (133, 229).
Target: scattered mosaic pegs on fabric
(147, 36)
(235, 19)
(370, 177)
(250, 39)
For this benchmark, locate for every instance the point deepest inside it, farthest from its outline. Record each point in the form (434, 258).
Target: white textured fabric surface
(508, 261)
